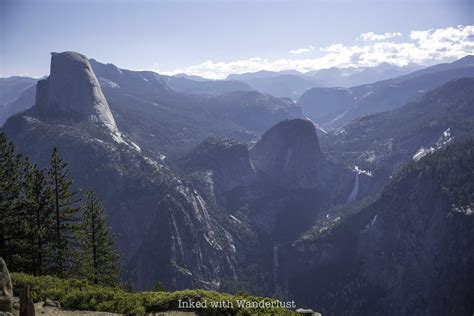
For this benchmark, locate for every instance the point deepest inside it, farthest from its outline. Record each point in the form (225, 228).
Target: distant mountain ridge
(350, 77)
(284, 85)
(11, 89)
(293, 84)
(169, 122)
(335, 76)
(466, 61)
(380, 96)
(383, 142)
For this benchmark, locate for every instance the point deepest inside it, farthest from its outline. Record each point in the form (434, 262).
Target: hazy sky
(214, 38)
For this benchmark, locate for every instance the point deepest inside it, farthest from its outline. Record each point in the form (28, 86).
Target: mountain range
(237, 190)
(283, 84)
(11, 89)
(72, 113)
(143, 197)
(292, 84)
(333, 107)
(351, 76)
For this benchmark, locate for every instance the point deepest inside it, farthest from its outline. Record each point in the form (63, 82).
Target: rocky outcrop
(72, 90)
(221, 170)
(227, 159)
(289, 154)
(6, 291)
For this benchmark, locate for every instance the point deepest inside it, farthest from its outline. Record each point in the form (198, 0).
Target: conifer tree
(10, 200)
(39, 222)
(64, 200)
(98, 261)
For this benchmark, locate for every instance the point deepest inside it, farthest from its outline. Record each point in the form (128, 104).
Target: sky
(216, 38)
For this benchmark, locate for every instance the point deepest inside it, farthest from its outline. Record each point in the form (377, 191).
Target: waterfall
(355, 190)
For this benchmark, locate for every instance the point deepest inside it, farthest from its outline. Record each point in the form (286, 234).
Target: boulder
(51, 303)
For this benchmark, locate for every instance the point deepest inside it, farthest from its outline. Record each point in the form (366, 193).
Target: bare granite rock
(289, 154)
(73, 89)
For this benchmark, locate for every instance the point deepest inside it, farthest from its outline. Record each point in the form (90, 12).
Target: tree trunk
(27, 307)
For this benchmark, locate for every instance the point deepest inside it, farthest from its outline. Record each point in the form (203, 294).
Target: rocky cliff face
(227, 158)
(267, 204)
(407, 252)
(418, 247)
(383, 142)
(72, 89)
(143, 198)
(289, 154)
(223, 169)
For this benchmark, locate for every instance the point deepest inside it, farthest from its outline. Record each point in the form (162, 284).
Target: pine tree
(39, 222)
(98, 261)
(65, 210)
(10, 200)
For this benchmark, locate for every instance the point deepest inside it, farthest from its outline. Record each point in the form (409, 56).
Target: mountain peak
(72, 89)
(466, 60)
(289, 154)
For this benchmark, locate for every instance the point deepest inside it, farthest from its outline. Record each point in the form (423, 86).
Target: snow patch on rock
(443, 141)
(362, 171)
(467, 210)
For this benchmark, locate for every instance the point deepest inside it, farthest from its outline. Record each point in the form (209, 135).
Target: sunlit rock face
(73, 90)
(289, 154)
(165, 229)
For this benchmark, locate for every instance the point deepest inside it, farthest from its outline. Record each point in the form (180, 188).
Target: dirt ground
(54, 311)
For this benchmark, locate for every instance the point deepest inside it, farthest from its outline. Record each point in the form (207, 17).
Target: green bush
(80, 295)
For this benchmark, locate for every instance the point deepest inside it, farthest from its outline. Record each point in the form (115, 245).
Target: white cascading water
(355, 190)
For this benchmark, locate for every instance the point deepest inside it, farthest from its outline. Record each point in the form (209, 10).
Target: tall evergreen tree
(98, 261)
(65, 210)
(38, 221)
(10, 200)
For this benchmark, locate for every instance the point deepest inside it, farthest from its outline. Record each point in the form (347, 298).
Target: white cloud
(302, 50)
(371, 36)
(422, 47)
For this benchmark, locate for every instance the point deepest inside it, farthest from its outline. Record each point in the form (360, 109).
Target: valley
(213, 185)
